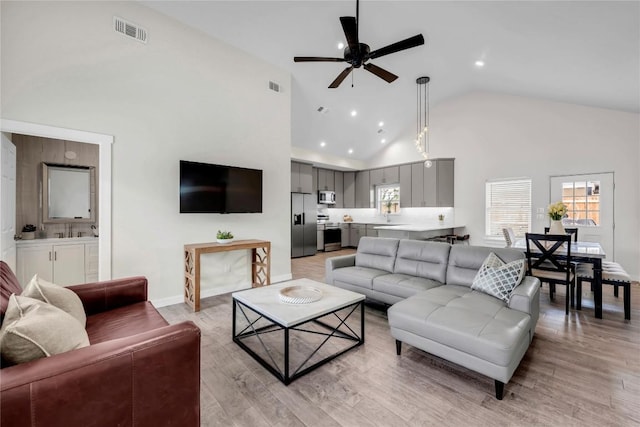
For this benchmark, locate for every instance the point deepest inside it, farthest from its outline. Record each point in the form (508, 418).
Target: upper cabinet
(363, 190)
(349, 186)
(388, 175)
(301, 178)
(326, 180)
(432, 187)
(338, 178)
(405, 185)
(445, 183)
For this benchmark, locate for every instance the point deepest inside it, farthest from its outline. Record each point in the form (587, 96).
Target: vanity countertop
(57, 241)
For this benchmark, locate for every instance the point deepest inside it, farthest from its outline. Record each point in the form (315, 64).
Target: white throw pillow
(58, 296)
(497, 278)
(33, 329)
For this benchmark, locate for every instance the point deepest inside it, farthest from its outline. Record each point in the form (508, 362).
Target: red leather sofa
(138, 370)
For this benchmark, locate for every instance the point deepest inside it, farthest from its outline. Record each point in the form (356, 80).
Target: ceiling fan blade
(340, 77)
(380, 72)
(316, 59)
(398, 46)
(350, 28)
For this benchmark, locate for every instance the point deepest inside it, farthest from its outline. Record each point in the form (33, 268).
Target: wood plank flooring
(579, 370)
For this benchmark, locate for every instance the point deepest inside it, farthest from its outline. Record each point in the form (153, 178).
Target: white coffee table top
(266, 301)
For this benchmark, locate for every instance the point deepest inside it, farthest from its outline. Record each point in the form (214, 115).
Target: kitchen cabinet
(371, 231)
(356, 231)
(338, 179)
(388, 175)
(314, 181)
(301, 178)
(326, 180)
(349, 187)
(423, 185)
(66, 263)
(445, 182)
(344, 228)
(363, 190)
(405, 186)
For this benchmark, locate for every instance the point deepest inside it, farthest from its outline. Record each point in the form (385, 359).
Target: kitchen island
(419, 231)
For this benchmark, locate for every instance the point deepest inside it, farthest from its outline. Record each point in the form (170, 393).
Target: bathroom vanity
(63, 261)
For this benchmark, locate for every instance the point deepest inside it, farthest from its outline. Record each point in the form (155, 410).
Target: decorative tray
(300, 294)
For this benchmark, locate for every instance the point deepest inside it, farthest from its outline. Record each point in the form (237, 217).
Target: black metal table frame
(334, 332)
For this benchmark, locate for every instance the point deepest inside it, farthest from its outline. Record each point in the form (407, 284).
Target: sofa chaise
(433, 306)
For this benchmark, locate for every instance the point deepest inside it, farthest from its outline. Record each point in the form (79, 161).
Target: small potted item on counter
(29, 232)
(224, 237)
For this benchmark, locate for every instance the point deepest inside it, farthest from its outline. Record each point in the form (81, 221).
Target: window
(508, 204)
(388, 199)
(583, 203)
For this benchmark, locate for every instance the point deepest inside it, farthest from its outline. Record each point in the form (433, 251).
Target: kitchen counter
(419, 227)
(418, 231)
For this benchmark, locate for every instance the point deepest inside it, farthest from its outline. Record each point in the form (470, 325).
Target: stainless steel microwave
(327, 197)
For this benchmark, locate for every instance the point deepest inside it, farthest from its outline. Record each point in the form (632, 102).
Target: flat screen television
(209, 188)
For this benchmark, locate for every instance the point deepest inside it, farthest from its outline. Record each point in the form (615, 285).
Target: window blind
(508, 204)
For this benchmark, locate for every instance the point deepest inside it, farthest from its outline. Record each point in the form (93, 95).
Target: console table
(260, 265)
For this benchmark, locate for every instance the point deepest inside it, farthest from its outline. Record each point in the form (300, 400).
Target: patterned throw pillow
(497, 278)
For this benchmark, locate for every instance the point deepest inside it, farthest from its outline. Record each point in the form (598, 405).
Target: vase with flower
(556, 212)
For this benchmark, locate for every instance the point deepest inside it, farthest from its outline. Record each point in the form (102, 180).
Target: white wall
(181, 96)
(500, 136)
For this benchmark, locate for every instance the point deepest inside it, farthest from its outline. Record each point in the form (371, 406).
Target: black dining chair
(568, 230)
(549, 259)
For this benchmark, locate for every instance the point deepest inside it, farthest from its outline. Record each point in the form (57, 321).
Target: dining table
(586, 252)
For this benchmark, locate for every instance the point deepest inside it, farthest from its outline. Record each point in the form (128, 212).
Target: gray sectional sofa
(435, 309)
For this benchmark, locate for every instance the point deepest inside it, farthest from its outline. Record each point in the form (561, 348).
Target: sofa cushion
(377, 252)
(465, 320)
(123, 322)
(402, 285)
(33, 329)
(423, 259)
(357, 276)
(465, 261)
(497, 278)
(58, 296)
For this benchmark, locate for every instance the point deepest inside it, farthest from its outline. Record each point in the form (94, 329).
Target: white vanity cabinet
(61, 261)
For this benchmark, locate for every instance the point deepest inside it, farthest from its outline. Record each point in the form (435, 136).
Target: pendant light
(422, 109)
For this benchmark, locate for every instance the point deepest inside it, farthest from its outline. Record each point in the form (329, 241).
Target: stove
(329, 234)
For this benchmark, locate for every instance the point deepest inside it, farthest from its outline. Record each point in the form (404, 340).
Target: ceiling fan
(357, 54)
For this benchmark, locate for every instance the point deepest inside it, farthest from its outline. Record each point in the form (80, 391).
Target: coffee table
(290, 340)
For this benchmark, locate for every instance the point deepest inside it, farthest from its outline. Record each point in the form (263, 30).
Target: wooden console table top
(260, 265)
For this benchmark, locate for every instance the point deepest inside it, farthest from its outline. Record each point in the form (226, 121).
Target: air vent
(323, 110)
(129, 29)
(274, 86)
(380, 130)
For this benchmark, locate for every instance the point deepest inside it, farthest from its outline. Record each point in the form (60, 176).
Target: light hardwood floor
(579, 370)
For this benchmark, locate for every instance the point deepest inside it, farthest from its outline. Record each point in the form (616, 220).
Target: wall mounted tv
(208, 188)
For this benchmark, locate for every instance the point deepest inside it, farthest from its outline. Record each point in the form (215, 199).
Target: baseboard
(205, 293)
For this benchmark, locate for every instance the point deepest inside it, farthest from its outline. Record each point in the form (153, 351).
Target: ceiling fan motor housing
(358, 58)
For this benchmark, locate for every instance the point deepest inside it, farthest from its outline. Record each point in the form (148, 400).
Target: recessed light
(479, 63)
(383, 140)
(322, 144)
(350, 150)
(380, 124)
(340, 45)
(354, 113)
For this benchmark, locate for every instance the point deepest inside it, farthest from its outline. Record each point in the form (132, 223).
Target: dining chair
(568, 230)
(509, 236)
(549, 259)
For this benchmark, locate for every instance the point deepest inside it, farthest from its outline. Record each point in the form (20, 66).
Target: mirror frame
(45, 194)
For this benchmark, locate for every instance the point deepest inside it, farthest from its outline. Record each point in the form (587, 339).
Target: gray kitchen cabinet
(338, 179)
(314, 181)
(405, 186)
(301, 178)
(344, 229)
(445, 182)
(371, 231)
(388, 175)
(349, 188)
(356, 231)
(326, 180)
(363, 190)
(423, 185)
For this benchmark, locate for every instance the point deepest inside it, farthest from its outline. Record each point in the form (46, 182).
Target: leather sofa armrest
(153, 376)
(526, 297)
(337, 262)
(107, 295)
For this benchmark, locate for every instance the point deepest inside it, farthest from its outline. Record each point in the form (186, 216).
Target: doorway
(9, 127)
(590, 202)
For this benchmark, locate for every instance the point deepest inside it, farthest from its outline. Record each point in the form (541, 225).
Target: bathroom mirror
(68, 193)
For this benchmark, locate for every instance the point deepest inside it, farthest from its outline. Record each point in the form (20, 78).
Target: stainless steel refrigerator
(303, 225)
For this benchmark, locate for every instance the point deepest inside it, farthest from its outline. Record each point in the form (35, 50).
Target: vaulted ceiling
(580, 52)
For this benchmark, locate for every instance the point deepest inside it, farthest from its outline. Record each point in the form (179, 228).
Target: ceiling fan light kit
(357, 54)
